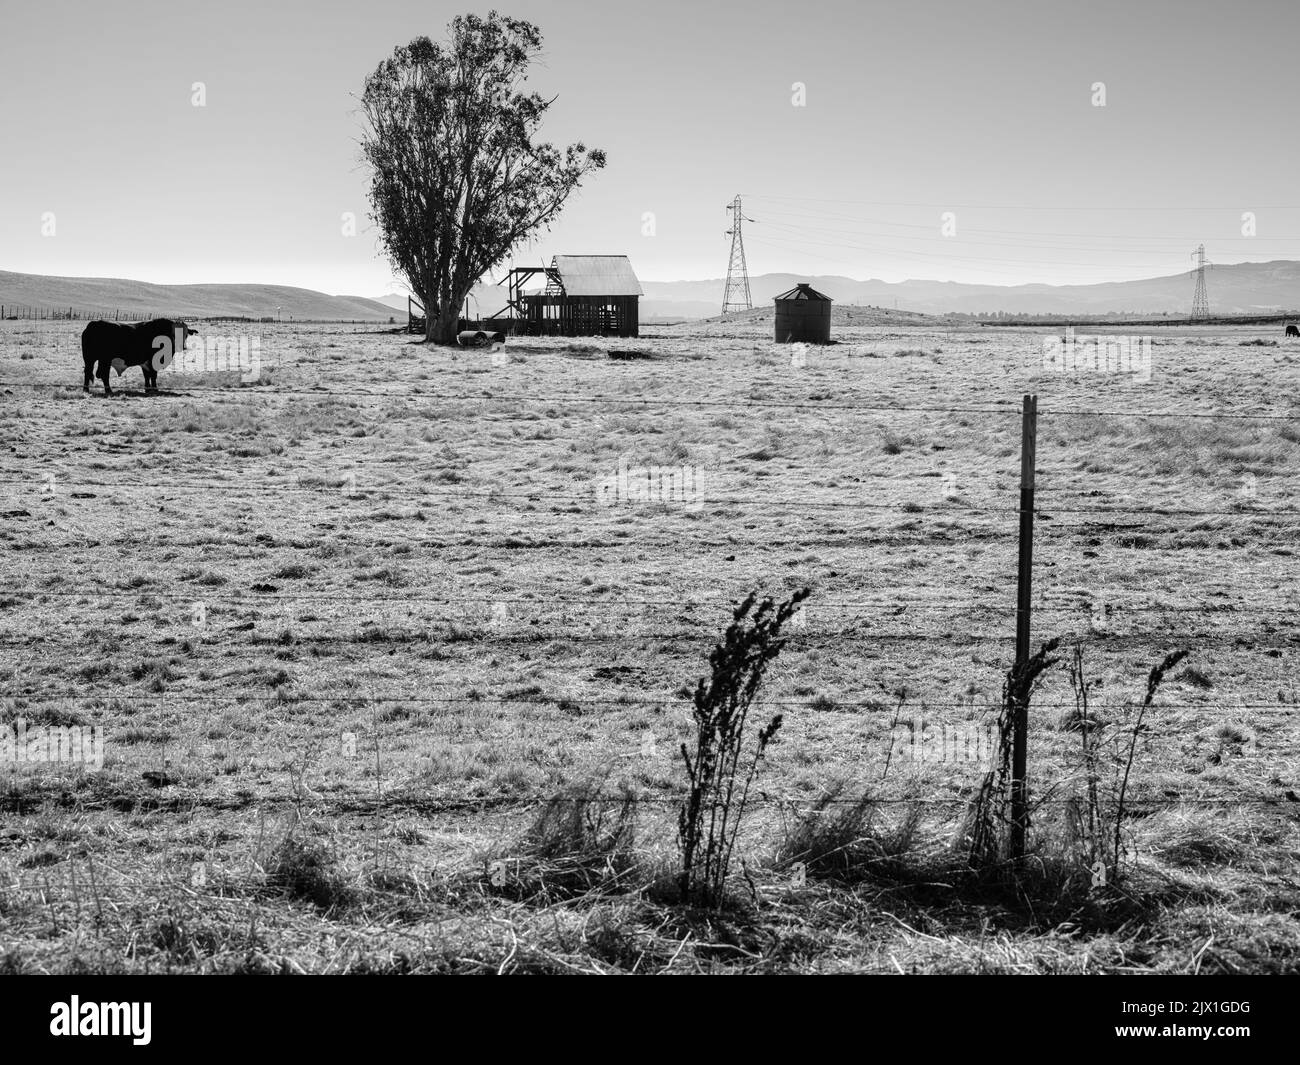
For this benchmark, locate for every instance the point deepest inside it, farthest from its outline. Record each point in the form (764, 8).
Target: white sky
(912, 109)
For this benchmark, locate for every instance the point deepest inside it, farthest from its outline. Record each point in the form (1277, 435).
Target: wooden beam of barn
(585, 295)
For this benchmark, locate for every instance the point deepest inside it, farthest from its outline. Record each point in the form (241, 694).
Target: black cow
(1293, 331)
(149, 345)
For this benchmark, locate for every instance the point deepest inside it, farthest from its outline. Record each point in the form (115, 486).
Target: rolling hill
(1236, 288)
(104, 295)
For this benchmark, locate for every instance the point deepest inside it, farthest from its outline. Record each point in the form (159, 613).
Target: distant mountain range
(483, 300)
(1237, 288)
(104, 295)
(393, 300)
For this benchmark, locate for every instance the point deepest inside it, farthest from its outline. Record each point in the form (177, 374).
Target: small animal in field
(114, 346)
(1293, 331)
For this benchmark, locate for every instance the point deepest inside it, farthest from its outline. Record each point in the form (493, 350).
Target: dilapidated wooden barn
(585, 295)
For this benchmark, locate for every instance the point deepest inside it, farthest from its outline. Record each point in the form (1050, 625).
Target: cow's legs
(105, 368)
(89, 361)
(150, 377)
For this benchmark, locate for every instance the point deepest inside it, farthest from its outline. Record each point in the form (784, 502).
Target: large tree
(457, 181)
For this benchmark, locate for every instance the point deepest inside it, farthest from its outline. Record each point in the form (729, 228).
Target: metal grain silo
(803, 314)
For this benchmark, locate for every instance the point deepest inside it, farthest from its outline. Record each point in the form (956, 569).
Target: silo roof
(597, 275)
(804, 292)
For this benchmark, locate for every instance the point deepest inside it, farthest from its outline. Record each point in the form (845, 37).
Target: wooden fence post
(1024, 580)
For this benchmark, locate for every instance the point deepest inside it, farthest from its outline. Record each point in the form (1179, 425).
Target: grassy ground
(348, 628)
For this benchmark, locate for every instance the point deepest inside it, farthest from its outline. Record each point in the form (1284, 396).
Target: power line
(822, 214)
(798, 238)
(1017, 207)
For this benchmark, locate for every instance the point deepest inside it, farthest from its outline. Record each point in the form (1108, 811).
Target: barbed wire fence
(504, 620)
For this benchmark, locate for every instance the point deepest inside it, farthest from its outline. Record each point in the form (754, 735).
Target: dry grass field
(349, 628)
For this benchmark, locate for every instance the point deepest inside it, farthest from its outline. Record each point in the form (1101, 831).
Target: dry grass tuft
(308, 870)
(851, 840)
(582, 842)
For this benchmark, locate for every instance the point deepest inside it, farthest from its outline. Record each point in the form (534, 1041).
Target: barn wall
(576, 316)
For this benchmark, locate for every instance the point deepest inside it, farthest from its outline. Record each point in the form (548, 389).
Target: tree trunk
(442, 328)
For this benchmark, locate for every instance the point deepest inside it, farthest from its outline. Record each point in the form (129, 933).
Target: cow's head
(170, 342)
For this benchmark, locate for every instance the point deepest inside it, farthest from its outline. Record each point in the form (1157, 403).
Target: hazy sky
(911, 109)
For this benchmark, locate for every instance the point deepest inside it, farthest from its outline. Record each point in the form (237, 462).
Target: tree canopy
(456, 179)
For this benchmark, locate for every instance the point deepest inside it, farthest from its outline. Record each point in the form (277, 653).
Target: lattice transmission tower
(1200, 301)
(735, 296)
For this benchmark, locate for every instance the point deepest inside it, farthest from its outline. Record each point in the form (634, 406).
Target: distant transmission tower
(1200, 301)
(736, 295)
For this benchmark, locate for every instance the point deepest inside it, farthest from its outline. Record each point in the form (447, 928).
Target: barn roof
(597, 275)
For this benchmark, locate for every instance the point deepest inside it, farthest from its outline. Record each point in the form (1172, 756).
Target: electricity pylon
(736, 294)
(1200, 301)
